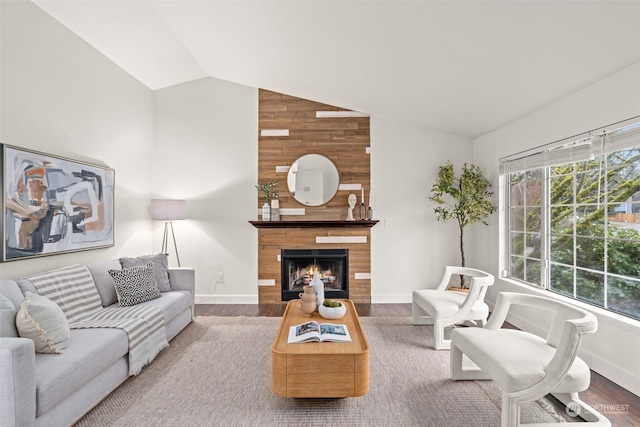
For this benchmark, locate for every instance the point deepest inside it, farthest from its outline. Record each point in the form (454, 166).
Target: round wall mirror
(313, 180)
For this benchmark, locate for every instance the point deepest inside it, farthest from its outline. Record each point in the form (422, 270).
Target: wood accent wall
(344, 140)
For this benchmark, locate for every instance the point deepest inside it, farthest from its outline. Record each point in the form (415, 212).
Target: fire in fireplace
(299, 265)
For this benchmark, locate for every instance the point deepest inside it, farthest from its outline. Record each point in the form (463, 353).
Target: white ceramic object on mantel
(266, 212)
(318, 287)
(275, 210)
(332, 312)
(352, 204)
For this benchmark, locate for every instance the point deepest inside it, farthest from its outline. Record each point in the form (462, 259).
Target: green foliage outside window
(594, 230)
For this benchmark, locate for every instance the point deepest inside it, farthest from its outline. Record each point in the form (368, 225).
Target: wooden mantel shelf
(314, 224)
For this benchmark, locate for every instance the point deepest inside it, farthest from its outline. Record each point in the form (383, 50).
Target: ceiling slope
(461, 67)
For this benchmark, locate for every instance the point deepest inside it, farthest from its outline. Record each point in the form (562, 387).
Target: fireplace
(298, 266)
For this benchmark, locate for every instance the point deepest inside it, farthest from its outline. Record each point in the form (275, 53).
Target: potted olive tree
(465, 198)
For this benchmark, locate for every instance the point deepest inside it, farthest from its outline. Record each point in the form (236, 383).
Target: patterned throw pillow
(43, 321)
(135, 285)
(160, 265)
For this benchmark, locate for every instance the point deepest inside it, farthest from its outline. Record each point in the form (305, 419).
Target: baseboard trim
(226, 299)
(391, 299)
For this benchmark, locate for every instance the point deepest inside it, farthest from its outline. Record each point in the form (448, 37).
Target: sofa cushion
(7, 318)
(10, 289)
(103, 280)
(160, 265)
(89, 352)
(44, 322)
(135, 285)
(448, 303)
(171, 304)
(26, 286)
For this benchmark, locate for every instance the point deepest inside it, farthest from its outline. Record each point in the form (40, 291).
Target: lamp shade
(168, 210)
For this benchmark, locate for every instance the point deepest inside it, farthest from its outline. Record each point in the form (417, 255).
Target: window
(573, 218)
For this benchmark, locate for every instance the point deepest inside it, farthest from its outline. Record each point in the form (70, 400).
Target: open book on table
(314, 331)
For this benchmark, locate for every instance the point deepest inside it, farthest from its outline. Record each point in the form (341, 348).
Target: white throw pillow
(43, 321)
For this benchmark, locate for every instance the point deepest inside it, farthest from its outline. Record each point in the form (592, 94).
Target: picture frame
(52, 205)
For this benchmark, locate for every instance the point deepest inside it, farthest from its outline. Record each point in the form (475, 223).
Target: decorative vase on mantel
(266, 212)
(275, 210)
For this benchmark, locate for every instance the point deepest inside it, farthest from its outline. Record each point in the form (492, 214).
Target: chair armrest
(564, 356)
(17, 382)
(502, 307)
(466, 306)
(183, 279)
(569, 344)
(446, 277)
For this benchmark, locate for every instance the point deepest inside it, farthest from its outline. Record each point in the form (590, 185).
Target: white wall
(60, 96)
(409, 248)
(613, 351)
(206, 151)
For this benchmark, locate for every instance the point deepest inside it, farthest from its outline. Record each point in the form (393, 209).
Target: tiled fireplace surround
(345, 140)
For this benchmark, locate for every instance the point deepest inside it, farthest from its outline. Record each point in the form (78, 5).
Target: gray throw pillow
(7, 318)
(160, 265)
(135, 285)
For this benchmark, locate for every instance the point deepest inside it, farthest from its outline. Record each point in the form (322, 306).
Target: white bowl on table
(332, 312)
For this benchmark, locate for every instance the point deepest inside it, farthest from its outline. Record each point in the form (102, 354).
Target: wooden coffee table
(320, 369)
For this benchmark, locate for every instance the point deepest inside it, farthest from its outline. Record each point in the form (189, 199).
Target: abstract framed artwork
(52, 205)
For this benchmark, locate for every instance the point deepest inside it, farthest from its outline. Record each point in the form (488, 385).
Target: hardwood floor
(620, 406)
(276, 310)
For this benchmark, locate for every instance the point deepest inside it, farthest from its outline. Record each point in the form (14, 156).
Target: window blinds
(583, 147)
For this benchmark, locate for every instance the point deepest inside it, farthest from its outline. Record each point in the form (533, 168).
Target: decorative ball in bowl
(332, 309)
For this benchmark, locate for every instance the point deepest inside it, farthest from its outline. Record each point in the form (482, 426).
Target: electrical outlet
(220, 278)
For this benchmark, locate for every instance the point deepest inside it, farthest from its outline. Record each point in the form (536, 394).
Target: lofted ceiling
(463, 67)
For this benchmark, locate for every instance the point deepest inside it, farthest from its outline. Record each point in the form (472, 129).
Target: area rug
(218, 372)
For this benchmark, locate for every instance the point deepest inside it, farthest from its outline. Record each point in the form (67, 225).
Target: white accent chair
(441, 308)
(524, 365)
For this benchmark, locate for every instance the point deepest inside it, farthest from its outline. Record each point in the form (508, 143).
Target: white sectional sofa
(58, 389)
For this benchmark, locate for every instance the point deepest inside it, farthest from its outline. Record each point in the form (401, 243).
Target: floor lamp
(168, 211)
